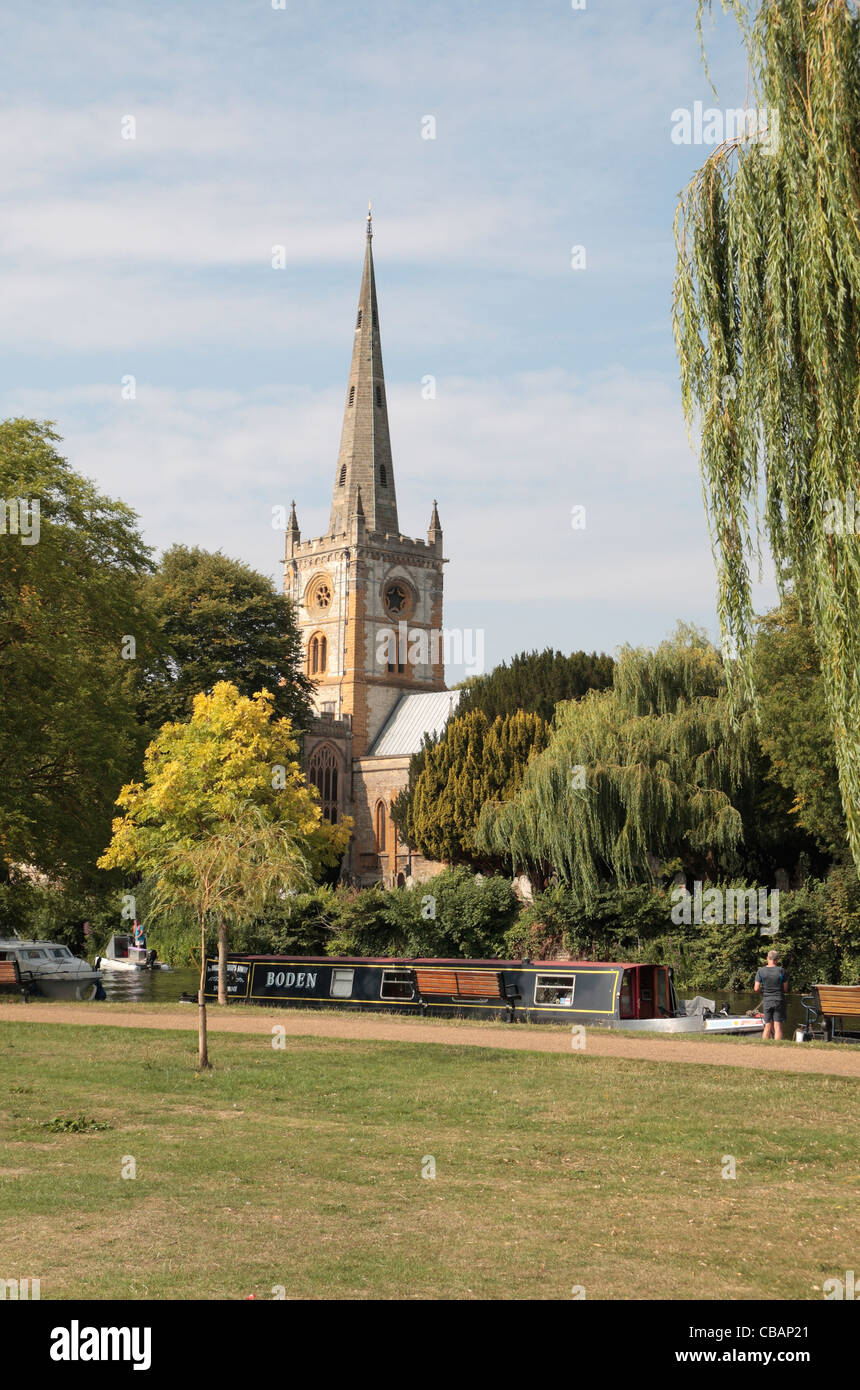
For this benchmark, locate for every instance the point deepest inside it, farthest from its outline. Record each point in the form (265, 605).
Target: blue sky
(258, 127)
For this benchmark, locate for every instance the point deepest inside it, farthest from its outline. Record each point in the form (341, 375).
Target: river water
(164, 986)
(149, 986)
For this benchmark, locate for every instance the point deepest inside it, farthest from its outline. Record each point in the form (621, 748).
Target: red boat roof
(440, 960)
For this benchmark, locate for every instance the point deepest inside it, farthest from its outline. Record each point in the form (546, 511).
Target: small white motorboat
(698, 1016)
(122, 954)
(49, 969)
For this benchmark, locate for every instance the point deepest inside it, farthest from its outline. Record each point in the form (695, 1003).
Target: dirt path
(791, 1057)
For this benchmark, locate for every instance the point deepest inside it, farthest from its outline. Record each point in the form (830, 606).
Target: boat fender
(98, 961)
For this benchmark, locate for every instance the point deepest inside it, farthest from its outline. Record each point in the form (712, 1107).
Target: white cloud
(506, 461)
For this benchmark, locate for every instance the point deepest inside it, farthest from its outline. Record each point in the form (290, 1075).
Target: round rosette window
(398, 598)
(320, 594)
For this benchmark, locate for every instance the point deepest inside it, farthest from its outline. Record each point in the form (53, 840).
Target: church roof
(412, 717)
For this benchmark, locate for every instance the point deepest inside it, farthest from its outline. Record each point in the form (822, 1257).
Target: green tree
(224, 817)
(536, 682)
(638, 775)
(767, 324)
(474, 761)
(796, 731)
(70, 613)
(228, 875)
(219, 620)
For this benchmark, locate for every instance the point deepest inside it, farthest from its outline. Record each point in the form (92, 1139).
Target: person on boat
(139, 935)
(771, 982)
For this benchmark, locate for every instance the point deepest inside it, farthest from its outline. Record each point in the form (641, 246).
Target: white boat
(49, 969)
(122, 954)
(697, 1016)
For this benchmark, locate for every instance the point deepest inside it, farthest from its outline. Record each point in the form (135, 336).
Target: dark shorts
(774, 1010)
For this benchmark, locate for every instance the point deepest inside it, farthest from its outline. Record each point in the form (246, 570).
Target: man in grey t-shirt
(771, 983)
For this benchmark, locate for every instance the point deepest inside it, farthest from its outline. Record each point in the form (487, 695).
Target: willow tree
(767, 325)
(634, 775)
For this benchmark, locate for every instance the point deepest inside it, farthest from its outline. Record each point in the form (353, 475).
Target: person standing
(771, 982)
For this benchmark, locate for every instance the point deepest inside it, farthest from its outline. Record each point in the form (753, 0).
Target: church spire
(364, 459)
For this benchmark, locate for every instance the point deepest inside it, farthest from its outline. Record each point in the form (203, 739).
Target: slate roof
(412, 717)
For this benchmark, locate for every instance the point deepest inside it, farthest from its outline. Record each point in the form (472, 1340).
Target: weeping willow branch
(767, 328)
(645, 769)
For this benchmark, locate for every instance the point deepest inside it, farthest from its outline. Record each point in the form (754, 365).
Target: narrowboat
(611, 994)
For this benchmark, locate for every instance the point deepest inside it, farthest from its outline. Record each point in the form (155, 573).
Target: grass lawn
(303, 1168)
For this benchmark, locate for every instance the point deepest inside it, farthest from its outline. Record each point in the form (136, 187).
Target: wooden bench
(835, 1004)
(10, 979)
(460, 984)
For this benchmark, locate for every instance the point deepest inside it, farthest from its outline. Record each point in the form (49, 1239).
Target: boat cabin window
(341, 983)
(61, 953)
(33, 955)
(555, 989)
(396, 984)
(628, 1002)
(664, 1007)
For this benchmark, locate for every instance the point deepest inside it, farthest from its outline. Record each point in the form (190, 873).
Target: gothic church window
(343, 474)
(323, 774)
(383, 476)
(379, 395)
(352, 395)
(380, 827)
(358, 321)
(317, 655)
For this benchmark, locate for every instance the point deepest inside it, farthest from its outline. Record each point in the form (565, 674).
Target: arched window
(352, 395)
(317, 654)
(379, 395)
(358, 320)
(343, 474)
(380, 827)
(323, 774)
(383, 476)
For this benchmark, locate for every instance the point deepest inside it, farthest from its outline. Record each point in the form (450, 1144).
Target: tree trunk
(222, 962)
(202, 1041)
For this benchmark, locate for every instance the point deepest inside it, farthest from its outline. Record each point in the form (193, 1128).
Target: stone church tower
(369, 606)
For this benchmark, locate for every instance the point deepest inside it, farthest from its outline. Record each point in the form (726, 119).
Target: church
(368, 601)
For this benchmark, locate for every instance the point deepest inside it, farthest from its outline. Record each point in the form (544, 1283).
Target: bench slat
(836, 1001)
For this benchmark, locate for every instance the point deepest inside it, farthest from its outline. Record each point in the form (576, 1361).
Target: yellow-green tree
(224, 819)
